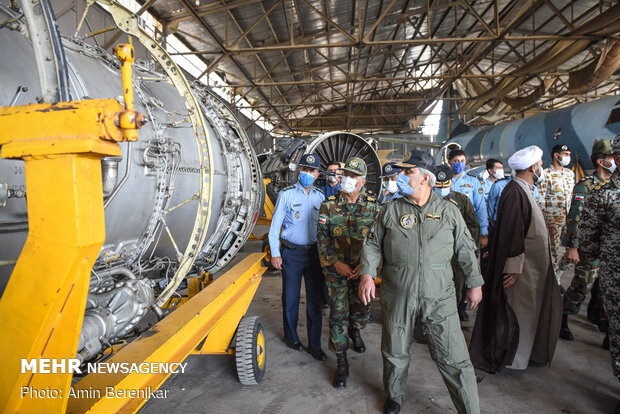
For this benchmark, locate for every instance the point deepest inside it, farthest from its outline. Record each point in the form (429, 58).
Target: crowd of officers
(428, 236)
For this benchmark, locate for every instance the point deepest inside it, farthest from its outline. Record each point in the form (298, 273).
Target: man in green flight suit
(417, 236)
(443, 188)
(585, 272)
(344, 221)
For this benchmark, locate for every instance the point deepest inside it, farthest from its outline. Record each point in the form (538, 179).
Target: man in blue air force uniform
(295, 253)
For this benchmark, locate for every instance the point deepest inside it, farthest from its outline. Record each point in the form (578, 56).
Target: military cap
(602, 146)
(443, 173)
(559, 148)
(615, 145)
(419, 159)
(310, 160)
(389, 170)
(356, 166)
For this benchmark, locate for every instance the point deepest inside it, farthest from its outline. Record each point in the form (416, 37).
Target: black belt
(294, 246)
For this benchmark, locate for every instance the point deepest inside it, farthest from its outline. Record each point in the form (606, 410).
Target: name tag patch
(432, 217)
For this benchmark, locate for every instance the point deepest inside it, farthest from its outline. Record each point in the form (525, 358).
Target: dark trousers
(295, 264)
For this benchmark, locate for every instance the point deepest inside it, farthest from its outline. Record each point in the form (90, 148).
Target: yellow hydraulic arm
(42, 308)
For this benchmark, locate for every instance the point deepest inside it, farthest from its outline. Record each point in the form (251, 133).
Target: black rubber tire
(250, 350)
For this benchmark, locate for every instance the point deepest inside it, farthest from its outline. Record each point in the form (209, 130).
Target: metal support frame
(61, 145)
(211, 315)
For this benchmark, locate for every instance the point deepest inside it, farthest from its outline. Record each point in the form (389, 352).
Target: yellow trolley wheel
(266, 262)
(250, 351)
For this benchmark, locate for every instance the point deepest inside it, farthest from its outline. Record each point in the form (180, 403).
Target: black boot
(565, 333)
(358, 344)
(605, 345)
(391, 407)
(342, 370)
(463, 316)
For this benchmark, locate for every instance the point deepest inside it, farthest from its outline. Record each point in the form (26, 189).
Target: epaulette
(454, 202)
(601, 184)
(320, 190)
(331, 198)
(288, 188)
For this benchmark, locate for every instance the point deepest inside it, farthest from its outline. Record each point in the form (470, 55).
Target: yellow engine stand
(43, 305)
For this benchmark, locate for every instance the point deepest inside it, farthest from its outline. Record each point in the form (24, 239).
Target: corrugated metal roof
(361, 65)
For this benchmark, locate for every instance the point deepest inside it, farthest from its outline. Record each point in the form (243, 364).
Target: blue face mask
(403, 184)
(443, 192)
(306, 179)
(458, 167)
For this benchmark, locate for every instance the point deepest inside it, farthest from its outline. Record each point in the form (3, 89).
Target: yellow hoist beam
(43, 304)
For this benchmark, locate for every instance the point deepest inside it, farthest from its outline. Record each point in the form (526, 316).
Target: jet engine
(181, 200)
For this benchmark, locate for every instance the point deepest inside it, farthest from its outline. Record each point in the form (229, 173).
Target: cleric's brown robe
(519, 244)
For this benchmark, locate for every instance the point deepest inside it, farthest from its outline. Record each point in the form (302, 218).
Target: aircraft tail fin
(450, 124)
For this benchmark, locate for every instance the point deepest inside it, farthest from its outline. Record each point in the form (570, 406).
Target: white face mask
(612, 165)
(332, 179)
(484, 175)
(499, 174)
(539, 178)
(391, 186)
(564, 161)
(348, 184)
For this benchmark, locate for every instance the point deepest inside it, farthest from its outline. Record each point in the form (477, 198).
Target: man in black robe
(521, 311)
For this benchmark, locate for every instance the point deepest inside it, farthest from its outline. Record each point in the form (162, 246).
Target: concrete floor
(580, 379)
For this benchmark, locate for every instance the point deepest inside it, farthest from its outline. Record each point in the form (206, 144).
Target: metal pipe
(123, 180)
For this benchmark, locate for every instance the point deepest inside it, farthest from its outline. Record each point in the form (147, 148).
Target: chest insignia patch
(297, 215)
(480, 190)
(408, 221)
(337, 231)
(432, 217)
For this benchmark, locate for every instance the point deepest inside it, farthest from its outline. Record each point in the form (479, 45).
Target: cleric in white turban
(525, 158)
(519, 318)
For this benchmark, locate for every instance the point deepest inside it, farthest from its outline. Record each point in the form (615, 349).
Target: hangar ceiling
(364, 65)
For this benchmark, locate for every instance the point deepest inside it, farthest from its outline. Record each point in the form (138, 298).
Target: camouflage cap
(602, 146)
(443, 173)
(356, 166)
(615, 145)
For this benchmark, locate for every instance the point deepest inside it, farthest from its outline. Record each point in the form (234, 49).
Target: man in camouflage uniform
(442, 188)
(556, 188)
(599, 238)
(344, 220)
(585, 272)
(416, 236)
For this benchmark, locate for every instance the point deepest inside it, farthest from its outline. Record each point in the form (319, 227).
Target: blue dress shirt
(297, 214)
(486, 187)
(495, 193)
(329, 191)
(385, 196)
(471, 187)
